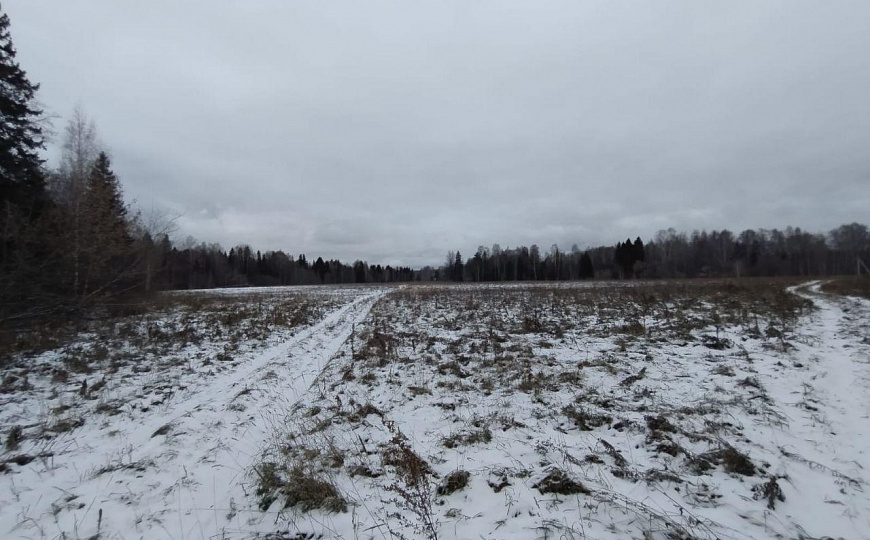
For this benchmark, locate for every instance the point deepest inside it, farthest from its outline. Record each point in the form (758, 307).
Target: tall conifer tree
(23, 198)
(21, 138)
(106, 236)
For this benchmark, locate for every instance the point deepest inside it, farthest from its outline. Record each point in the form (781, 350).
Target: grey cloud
(393, 131)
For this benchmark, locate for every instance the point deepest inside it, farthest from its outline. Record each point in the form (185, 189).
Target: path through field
(837, 423)
(179, 473)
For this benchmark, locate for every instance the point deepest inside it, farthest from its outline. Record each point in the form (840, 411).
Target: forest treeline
(751, 253)
(672, 254)
(70, 242)
(207, 266)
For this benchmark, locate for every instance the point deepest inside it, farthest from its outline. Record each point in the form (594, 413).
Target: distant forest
(69, 242)
(791, 252)
(672, 254)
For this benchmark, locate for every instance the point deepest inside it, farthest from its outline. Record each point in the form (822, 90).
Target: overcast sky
(394, 131)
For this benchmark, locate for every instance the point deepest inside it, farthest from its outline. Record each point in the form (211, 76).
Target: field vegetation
(648, 410)
(690, 409)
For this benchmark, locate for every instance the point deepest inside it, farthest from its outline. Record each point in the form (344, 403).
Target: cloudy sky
(394, 131)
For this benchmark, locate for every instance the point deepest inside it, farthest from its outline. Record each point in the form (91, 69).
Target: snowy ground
(662, 410)
(161, 450)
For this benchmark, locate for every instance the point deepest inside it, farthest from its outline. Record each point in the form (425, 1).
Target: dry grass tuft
(297, 488)
(770, 492)
(453, 482)
(557, 481)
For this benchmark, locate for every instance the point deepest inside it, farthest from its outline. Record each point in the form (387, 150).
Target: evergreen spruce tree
(638, 250)
(21, 180)
(320, 268)
(24, 243)
(106, 236)
(638, 256)
(625, 258)
(458, 268)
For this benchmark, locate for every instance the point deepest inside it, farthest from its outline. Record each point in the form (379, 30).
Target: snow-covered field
(661, 410)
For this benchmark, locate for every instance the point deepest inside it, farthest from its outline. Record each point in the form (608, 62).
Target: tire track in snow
(239, 418)
(191, 481)
(304, 352)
